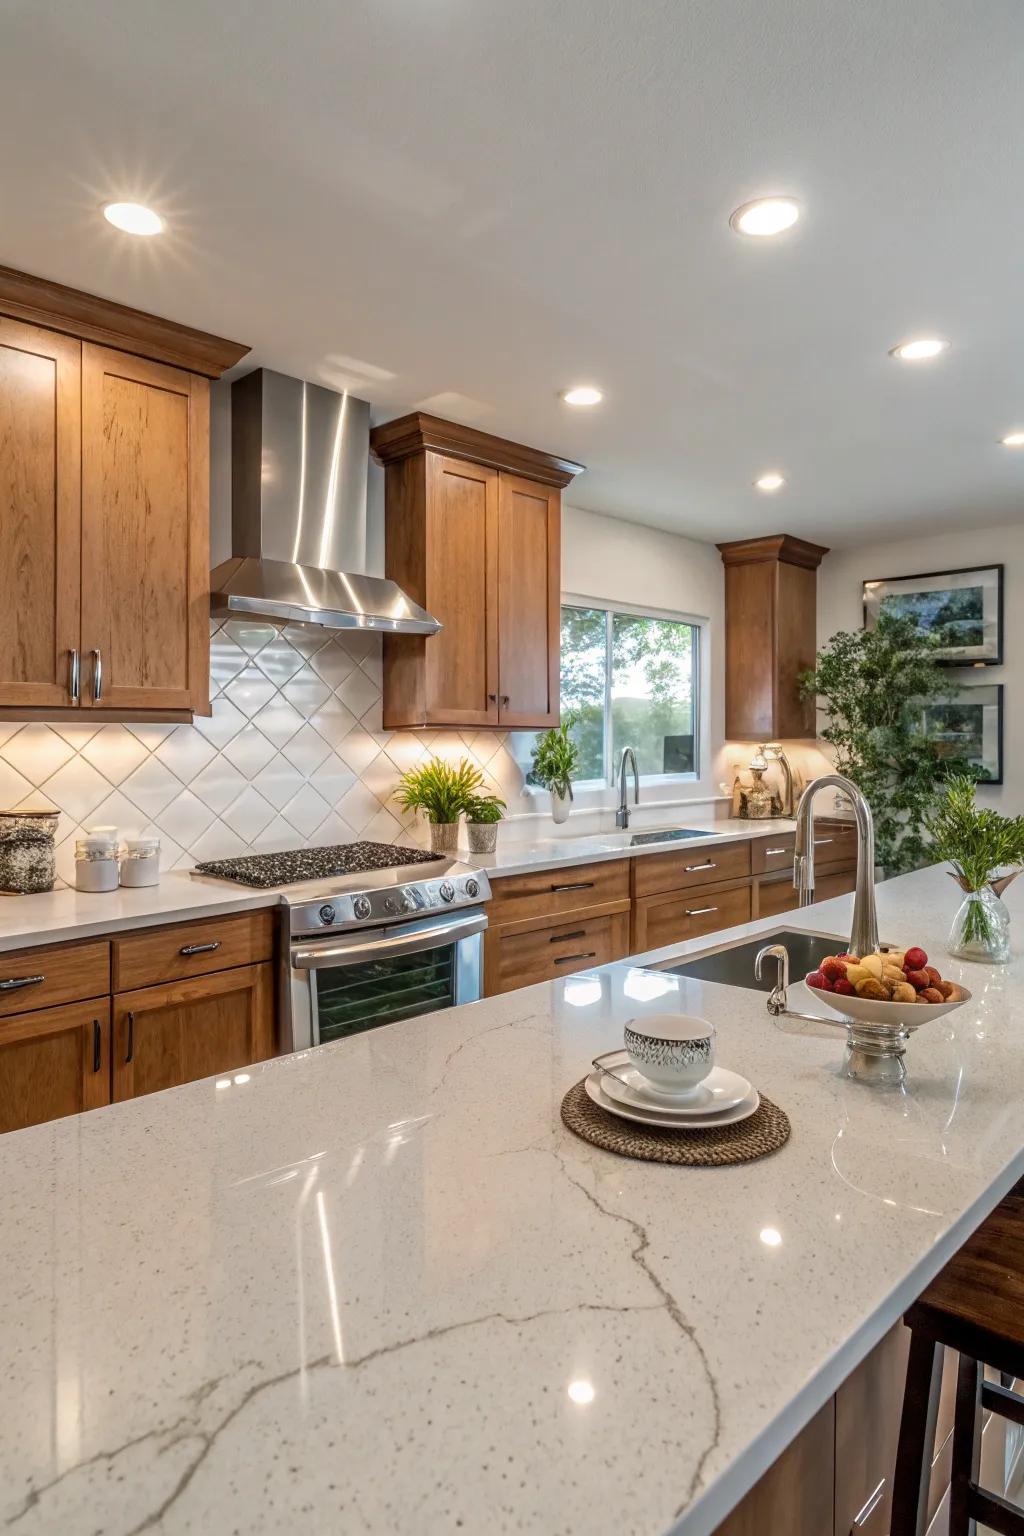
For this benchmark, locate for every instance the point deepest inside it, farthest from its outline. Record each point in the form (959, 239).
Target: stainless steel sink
(734, 964)
(665, 835)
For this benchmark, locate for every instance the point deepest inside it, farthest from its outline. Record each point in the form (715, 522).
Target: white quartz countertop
(378, 1287)
(512, 858)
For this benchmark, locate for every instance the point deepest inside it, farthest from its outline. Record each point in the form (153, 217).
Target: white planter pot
(560, 807)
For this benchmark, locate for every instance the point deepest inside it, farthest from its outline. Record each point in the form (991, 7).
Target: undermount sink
(629, 839)
(734, 965)
(664, 835)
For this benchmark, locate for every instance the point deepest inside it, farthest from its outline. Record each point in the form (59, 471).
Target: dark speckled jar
(27, 857)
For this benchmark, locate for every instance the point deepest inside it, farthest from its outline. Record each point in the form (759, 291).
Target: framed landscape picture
(963, 609)
(968, 723)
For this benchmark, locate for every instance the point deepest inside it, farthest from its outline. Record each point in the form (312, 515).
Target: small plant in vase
(556, 758)
(442, 791)
(483, 813)
(986, 851)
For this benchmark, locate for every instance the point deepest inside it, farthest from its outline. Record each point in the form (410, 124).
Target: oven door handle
(409, 939)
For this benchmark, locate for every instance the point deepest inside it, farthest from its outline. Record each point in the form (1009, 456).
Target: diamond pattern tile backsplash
(294, 754)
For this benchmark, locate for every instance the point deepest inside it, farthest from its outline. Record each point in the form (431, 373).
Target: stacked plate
(723, 1098)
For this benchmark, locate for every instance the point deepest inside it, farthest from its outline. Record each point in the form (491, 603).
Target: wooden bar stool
(975, 1306)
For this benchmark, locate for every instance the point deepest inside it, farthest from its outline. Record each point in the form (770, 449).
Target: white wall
(840, 607)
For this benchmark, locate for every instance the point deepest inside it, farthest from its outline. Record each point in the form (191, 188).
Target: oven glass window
(352, 998)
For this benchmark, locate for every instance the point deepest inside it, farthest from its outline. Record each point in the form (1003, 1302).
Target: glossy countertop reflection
(378, 1287)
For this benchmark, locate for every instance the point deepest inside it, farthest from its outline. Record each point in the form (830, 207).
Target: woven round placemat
(764, 1132)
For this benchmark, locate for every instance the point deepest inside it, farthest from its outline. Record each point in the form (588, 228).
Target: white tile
(279, 781)
(36, 752)
(380, 777)
(77, 788)
(251, 635)
(65, 856)
(279, 661)
(170, 853)
(357, 691)
(333, 721)
(358, 807)
(332, 778)
(248, 815)
(384, 828)
(218, 842)
(117, 811)
(306, 810)
(250, 691)
(278, 721)
(227, 660)
(185, 819)
(405, 749)
(484, 744)
(373, 666)
(186, 752)
(359, 643)
(218, 784)
(306, 692)
(373, 718)
(334, 830)
(13, 787)
(114, 752)
(278, 837)
(218, 728)
(76, 736)
(249, 751)
(358, 749)
(306, 750)
(333, 665)
(7, 731)
(151, 735)
(307, 638)
(151, 787)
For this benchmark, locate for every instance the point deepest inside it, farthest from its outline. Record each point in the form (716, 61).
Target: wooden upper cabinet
(40, 467)
(145, 534)
(473, 534)
(104, 505)
(770, 636)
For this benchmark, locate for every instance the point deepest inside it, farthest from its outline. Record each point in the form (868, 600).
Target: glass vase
(981, 928)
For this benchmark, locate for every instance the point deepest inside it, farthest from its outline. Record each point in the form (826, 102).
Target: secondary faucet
(622, 814)
(864, 935)
(774, 749)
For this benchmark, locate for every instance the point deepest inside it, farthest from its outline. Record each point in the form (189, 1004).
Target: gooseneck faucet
(622, 814)
(864, 935)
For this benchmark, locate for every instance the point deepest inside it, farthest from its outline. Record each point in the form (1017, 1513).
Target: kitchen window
(632, 680)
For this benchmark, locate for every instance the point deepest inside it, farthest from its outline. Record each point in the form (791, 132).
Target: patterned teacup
(674, 1050)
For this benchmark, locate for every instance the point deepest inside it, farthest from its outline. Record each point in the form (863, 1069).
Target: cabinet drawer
(53, 973)
(549, 892)
(519, 959)
(770, 855)
(775, 896)
(837, 883)
(678, 871)
(835, 842)
(192, 949)
(668, 919)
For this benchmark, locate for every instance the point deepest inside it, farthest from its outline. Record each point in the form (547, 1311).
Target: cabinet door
(529, 602)
(522, 956)
(462, 554)
(868, 1408)
(794, 1497)
(40, 514)
(169, 1035)
(145, 534)
(680, 915)
(54, 1062)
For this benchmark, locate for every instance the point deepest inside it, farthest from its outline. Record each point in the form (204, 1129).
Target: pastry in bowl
(894, 987)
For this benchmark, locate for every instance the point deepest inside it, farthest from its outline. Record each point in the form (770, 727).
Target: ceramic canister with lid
(96, 860)
(140, 861)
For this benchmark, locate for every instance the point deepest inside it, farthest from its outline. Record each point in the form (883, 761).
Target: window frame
(699, 627)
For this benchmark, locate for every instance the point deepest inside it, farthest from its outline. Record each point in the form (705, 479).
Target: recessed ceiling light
(772, 481)
(582, 394)
(133, 218)
(920, 349)
(1014, 440)
(766, 216)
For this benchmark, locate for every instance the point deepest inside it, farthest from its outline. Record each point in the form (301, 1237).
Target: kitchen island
(379, 1287)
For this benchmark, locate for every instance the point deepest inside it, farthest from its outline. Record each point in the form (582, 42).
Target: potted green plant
(483, 813)
(442, 791)
(556, 757)
(986, 851)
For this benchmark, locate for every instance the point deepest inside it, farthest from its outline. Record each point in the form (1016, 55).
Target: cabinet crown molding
(42, 302)
(417, 432)
(778, 546)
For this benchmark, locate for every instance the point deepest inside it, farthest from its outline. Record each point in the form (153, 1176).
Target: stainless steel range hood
(299, 456)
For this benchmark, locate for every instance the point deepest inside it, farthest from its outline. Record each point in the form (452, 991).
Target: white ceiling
(472, 204)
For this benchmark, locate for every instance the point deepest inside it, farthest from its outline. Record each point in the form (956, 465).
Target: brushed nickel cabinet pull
(14, 982)
(97, 676)
(819, 842)
(770, 853)
(75, 686)
(563, 938)
(199, 949)
(862, 1517)
(579, 885)
(698, 911)
(692, 868)
(570, 959)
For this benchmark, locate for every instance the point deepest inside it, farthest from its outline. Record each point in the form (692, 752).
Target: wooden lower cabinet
(54, 1062)
(679, 915)
(524, 953)
(794, 1497)
(167, 1035)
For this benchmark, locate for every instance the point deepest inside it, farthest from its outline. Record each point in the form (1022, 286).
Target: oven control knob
(327, 914)
(391, 905)
(361, 906)
(472, 888)
(447, 891)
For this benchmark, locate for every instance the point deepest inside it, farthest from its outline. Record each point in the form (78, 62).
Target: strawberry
(818, 981)
(833, 969)
(844, 987)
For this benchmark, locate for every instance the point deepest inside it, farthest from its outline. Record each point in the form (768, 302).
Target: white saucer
(720, 1090)
(670, 1120)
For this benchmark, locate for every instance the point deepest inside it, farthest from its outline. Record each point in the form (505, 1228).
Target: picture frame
(964, 607)
(968, 723)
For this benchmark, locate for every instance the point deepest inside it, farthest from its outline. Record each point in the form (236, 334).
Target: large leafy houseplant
(483, 813)
(556, 758)
(986, 851)
(442, 791)
(871, 684)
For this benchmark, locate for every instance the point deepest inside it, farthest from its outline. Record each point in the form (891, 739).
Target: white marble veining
(378, 1287)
